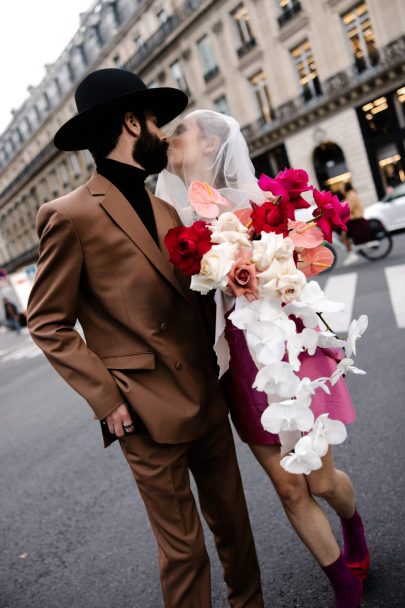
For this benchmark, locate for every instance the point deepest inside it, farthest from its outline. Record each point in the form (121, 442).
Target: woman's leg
(336, 488)
(302, 510)
(311, 525)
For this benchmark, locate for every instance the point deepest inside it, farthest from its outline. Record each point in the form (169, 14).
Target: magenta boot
(347, 586)
(355, 549)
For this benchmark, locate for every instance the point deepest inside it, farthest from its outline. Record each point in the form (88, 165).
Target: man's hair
(104, 139)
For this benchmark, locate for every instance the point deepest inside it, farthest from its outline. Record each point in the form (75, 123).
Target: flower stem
(328, 327)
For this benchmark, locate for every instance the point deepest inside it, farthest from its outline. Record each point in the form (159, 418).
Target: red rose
(289, 185)
(187, 245)
(270, 217)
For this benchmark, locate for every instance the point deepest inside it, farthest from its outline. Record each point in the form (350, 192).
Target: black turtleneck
(130, 181)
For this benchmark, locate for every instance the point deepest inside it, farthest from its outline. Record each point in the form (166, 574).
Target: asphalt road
(73, 529)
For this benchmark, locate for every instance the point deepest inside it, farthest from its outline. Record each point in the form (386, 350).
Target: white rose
(228, 229)
(215, 265)
(287, 287)
(270, 247)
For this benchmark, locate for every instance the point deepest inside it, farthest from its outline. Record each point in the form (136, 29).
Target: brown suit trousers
(162, 475)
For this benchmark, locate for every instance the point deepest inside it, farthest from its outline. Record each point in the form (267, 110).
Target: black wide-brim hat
(110, 89)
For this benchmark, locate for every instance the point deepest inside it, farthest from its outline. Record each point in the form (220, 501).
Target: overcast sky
(32, 33)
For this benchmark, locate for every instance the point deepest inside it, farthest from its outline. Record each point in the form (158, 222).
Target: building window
(74, 163)
(161, 16)
(221, 105)
(361, 37)
(305, 65)
(179, 77)
(64, 173)
(53, 183)
(260, 90)
(288, 9)
(243, 26)
(207, 57)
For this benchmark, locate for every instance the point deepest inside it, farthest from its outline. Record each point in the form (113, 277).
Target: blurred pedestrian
(146, 367)
(358, 228)
(11, 315)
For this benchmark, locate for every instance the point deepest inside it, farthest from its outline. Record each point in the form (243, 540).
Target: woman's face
(186, 147)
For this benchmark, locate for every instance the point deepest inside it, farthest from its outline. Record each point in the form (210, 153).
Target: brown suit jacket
(145, 338)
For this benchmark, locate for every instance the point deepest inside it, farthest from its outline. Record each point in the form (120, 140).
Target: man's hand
(119, 421)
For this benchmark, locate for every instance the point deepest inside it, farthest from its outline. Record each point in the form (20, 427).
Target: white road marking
(395, 276)
(28, 350)
(341, 288)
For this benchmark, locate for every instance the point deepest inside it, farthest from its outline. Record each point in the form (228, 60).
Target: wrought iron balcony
(210, 75)
(246, 47)
(289, 11)
(159, 37)
(336, 86)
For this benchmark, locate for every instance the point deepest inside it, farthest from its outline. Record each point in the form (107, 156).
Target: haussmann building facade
(315, 84)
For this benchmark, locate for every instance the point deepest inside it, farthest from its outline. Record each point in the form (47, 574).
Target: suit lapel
(122, 214)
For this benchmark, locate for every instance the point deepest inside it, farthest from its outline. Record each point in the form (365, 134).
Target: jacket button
(178, 365)
(162, 326)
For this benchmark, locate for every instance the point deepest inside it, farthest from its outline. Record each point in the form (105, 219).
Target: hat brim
(165, 102)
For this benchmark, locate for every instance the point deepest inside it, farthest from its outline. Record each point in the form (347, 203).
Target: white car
(390, 211)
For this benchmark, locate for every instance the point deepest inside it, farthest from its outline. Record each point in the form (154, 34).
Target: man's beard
(150, 152)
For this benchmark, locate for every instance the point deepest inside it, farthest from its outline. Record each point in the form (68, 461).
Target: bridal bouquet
(264, 257)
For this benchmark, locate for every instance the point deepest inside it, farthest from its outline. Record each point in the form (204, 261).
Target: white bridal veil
(229, 170)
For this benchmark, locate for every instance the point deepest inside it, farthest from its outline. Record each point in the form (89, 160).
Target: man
(146, 367)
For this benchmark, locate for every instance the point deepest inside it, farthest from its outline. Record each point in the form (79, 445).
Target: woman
(208, 146)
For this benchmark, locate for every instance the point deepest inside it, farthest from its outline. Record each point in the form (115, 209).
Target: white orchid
(228, 229)
(329, 340)
(270, 247)
(288, 439)
(267, 340)
(327, 432)
(304, 459)
(302, 311)
(245, 312)
(308, 387)
(215, 265)
(277, 380)
(298, 343)
(288, 415)
(344, 366)
(356, 330)
(313, 296)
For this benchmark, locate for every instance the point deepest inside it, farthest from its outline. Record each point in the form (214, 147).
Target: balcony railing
(159, 37)
(289, 11)
(335, 86)
(246, 47)
(210, 75)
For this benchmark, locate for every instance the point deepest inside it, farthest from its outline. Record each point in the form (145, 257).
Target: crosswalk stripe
(395, 280)
(341, 288)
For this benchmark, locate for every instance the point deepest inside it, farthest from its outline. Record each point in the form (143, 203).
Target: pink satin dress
(248, 404)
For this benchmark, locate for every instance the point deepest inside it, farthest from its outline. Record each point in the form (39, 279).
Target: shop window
(306, 69)
(272, 161)
(378, 116)
(389, 162)
(330, 166)
(399, 100)
(360, 34)
(260, 90)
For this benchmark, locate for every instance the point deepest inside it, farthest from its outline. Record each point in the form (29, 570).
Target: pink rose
(242, 277)
(330, 212)
(288, 185)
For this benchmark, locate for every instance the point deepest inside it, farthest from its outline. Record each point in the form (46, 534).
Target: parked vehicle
(390, 211)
